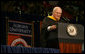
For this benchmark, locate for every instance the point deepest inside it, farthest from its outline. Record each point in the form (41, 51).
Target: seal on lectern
(72, 30)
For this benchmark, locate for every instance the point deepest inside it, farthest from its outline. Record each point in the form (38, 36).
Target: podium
(71, 37)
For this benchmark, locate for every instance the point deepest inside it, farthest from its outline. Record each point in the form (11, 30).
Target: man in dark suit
(49, 37)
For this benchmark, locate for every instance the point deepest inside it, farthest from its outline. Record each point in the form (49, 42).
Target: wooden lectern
(71, 37)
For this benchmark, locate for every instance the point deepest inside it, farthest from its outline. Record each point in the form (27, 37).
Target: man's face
(57, 13)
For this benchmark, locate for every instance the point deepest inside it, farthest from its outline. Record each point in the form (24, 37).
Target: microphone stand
(66, 19)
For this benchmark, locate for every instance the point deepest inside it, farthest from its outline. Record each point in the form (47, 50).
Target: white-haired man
(49, 38)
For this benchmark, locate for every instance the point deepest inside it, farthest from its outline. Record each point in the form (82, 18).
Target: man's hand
(53, 27)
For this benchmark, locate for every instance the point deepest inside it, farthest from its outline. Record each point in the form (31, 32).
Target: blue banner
(20, 28)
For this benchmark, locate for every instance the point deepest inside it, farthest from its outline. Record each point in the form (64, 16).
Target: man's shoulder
(48, 19)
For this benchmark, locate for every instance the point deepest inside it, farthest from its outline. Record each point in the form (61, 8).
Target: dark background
(35, 11)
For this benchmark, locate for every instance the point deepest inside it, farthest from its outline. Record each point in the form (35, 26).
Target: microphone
(66, 19)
